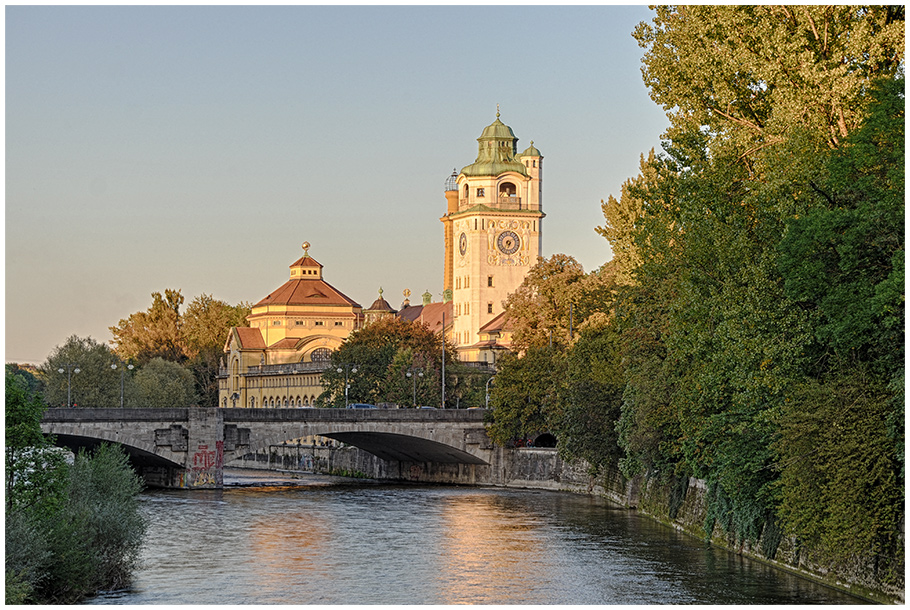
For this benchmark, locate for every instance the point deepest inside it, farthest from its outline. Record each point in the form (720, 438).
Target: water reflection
(488, 548)
(387, 544)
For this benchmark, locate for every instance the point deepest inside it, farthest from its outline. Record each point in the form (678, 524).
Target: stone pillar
(204, 468)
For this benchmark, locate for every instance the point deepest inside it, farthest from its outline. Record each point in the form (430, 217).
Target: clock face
(508, 242)
(463, 244)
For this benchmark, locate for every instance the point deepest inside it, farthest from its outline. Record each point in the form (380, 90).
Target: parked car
(434, 408)
(360, 405)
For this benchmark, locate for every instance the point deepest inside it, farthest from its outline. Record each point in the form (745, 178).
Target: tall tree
(751, 74)
(155, 333)
(204, 326)
(715, 342)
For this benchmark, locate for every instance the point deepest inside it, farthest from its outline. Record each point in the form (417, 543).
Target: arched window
(507, 189)
(253, 403)
(322, 354)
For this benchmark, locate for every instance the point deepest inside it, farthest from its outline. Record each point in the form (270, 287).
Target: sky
(197, 148)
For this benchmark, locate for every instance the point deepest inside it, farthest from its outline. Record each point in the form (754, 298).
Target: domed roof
(530, 151)
(495, 152)
(381, 304)
(497, 130)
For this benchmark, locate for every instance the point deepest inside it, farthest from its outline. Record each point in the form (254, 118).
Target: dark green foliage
(525, 400)
(87, 541)
(70, 530)
(844, 259)
(590, 403)
(382, 353)
(840, 480)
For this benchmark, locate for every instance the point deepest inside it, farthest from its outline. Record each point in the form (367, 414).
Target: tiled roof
(286, 343)
(249, 338)
(306, 292)
(430, 314)
(306, 261)
(497, 324)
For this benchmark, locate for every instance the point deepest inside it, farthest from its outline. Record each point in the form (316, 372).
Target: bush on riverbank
(71, 529)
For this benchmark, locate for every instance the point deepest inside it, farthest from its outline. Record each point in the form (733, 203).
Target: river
(325, 540)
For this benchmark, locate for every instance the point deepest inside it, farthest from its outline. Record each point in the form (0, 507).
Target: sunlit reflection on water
(384, 544)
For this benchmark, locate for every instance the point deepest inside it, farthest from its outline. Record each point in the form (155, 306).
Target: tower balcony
(504, 202)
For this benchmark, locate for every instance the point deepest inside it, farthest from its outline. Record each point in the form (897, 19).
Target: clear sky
(196, 148)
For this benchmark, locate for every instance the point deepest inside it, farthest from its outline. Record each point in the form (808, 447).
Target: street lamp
(414, 383)
(492, 377)
(70, 369)
(122, 372)
(347, 386)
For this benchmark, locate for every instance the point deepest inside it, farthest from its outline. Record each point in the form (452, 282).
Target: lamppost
(122, 372)
(414, 377)
(347, 386)
(70, 369)
(492, 377)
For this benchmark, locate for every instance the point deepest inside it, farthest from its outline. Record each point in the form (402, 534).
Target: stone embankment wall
(681, 504)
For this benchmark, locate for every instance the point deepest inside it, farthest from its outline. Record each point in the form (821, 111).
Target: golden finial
(306, 246)
(406, 293)
(497, 111)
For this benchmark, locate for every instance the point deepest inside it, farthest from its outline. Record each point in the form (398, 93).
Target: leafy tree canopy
(382, 352)
(96, 385)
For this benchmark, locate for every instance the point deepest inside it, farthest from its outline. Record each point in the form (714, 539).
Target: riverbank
(680, 504)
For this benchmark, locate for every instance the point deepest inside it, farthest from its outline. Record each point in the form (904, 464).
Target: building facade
(278, 360)
(492, 236)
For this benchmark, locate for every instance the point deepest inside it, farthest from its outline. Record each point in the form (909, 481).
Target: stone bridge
(187, 448)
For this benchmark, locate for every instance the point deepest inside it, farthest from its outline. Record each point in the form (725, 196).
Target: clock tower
(492, 233)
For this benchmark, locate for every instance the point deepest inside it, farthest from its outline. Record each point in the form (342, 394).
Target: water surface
(321, 542)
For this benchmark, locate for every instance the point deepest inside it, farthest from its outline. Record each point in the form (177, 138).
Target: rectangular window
(298, 322)
(339, 323)
(276, 322)
(467, 308)
(490, 281)
(480, 192)
(318, 323)
(489, 307)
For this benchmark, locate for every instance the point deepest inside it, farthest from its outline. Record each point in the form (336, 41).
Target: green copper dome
(496, 152)
(531, 151)
(497, 130)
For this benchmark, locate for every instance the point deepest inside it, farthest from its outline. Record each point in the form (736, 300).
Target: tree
(204, 326)
(161, 384)
(844, 258)
(525, 398)
(716, 339)
(751, 74)
(382, 352)
(96, 384)
(554, 300)
(621, 218)
(590, 403)
(194, 338)
(155, 333)
(32, 466)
